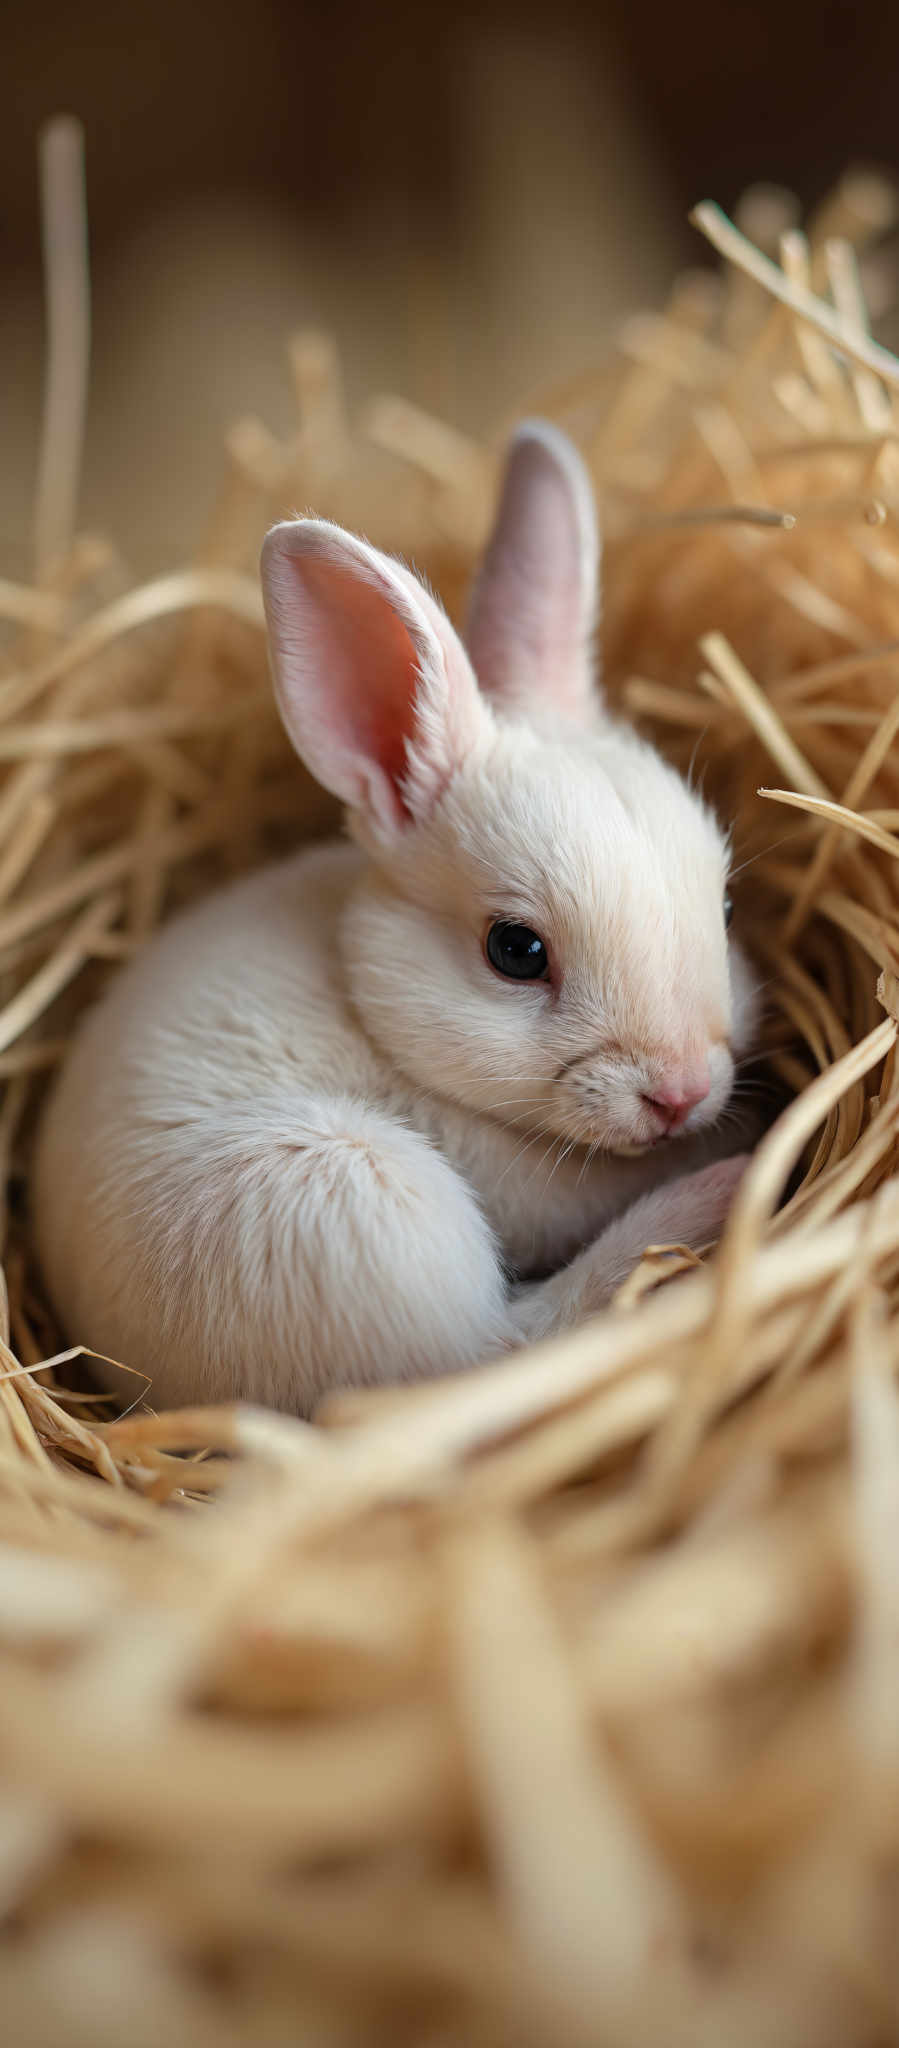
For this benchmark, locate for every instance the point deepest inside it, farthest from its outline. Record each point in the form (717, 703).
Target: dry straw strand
(64, 216)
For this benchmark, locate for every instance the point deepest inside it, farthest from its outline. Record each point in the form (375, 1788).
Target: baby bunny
(411, 1099)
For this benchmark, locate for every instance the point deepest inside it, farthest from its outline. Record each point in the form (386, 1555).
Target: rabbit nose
(673, 1100)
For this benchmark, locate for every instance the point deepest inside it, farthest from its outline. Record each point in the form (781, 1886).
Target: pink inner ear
(368, 673)
(373, 685)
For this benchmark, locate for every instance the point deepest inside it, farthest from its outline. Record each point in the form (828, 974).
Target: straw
(554, 1703)
(64, 216)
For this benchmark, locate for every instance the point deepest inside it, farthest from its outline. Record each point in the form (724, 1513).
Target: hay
(558, 1702)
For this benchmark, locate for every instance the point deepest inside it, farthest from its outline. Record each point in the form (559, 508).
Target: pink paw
(699, 1204)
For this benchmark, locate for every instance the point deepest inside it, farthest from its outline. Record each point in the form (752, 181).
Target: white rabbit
(399, 1104)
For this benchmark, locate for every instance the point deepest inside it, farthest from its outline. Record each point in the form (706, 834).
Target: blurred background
(468, 197)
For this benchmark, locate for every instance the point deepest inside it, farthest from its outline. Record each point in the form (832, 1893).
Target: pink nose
(673, 1101)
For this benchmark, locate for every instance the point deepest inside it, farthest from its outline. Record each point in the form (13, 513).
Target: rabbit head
(540, 930)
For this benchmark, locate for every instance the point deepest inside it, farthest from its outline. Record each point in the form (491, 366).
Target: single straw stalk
(67, 287)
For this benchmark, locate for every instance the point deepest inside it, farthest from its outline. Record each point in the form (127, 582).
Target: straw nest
(560, 1702)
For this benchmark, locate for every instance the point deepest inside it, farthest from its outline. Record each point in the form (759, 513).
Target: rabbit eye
(728, 909)
(516, 951)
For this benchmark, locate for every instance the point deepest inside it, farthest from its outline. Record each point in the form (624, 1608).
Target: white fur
(310, 1137)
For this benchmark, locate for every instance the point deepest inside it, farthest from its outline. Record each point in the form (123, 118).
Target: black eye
(516, 951)
(728, 909)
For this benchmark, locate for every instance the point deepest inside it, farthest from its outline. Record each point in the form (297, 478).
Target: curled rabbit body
(407, 1100)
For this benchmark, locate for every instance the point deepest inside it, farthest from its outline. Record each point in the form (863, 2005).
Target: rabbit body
(313, 1136)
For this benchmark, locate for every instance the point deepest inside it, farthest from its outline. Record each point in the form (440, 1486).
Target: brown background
(467, 197)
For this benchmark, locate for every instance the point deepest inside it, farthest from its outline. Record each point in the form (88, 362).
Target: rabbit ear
(533, 613)
(374, 687)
